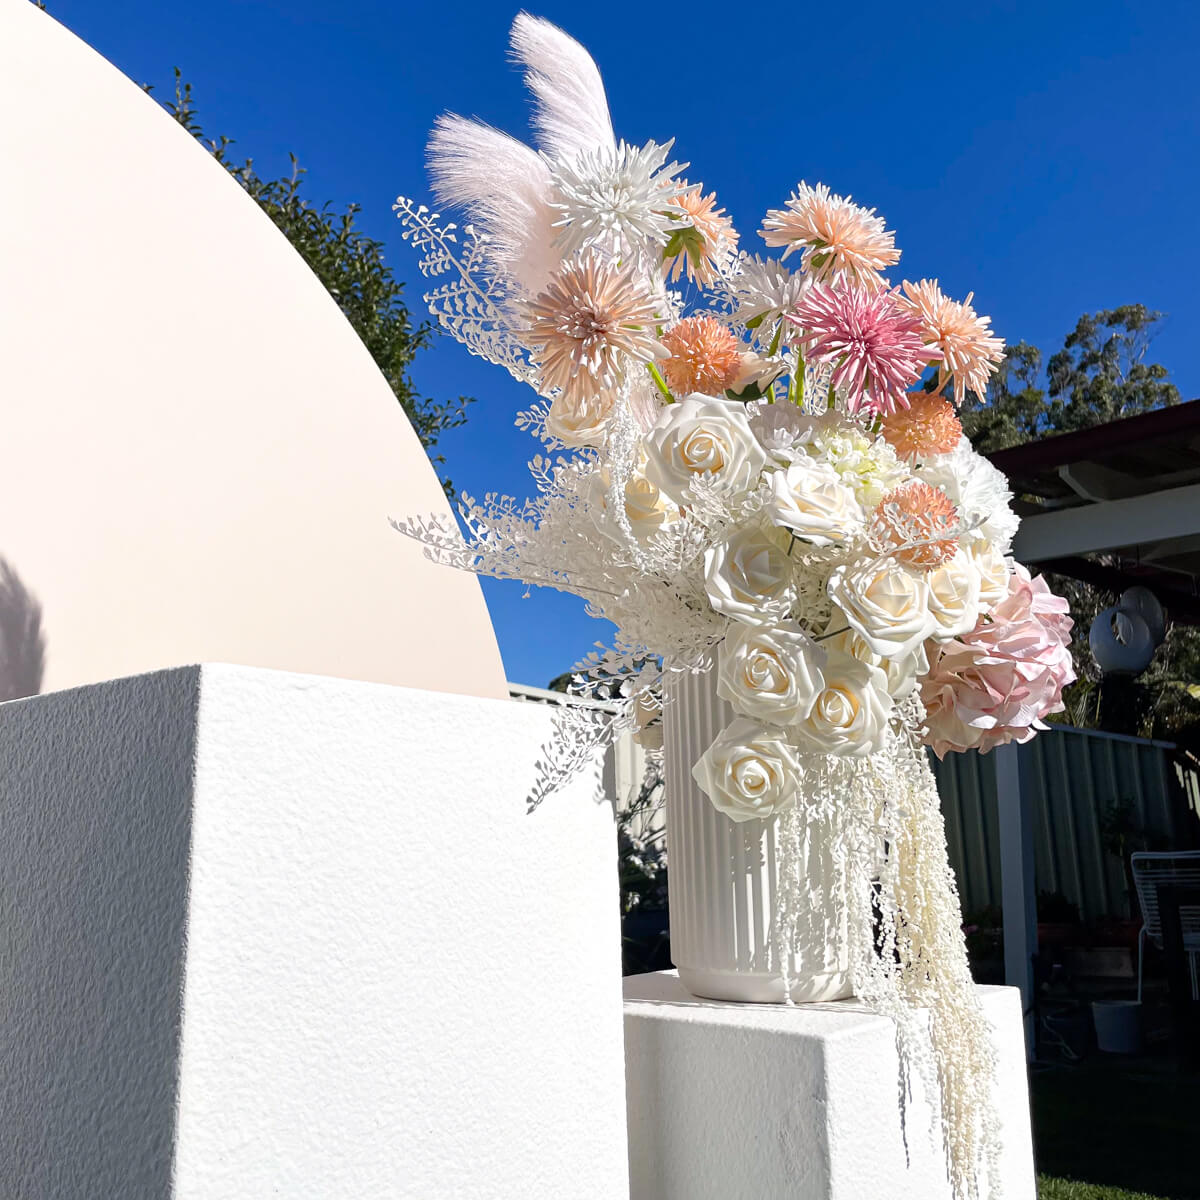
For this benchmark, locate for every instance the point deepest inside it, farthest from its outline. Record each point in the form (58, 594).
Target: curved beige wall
(199, 457)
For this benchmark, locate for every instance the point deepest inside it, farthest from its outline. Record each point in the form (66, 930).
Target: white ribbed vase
(723, 878)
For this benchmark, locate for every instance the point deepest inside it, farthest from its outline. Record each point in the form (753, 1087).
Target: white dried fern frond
(571, 108)
(472, 303)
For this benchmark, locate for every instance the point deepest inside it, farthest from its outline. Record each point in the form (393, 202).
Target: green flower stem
(660, 383)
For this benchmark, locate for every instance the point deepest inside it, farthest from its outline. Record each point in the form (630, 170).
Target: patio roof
(1128, 491)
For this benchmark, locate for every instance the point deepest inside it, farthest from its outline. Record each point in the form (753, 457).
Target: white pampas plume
(571, 112)
(504, 186)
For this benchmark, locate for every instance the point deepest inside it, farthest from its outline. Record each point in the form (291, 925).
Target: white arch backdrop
(199, 456)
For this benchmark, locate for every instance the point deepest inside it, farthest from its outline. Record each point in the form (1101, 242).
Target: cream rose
(577, 423)
(749, 576)
(903, 674)
(646, 508)
(954, 596)
(750, 771)
(850, 715)
(839, 635)
(769, 672)
(810, 499)
(994, 570)
(886, 602)
(703, 438)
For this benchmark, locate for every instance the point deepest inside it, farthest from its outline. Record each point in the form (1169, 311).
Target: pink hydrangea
(997, 683)
(875, 343)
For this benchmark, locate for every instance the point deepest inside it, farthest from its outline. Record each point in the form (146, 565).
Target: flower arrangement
(753, 466)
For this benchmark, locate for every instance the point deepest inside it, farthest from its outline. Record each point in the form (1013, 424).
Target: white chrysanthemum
(617, 201)
(763, 290)
(979, 491)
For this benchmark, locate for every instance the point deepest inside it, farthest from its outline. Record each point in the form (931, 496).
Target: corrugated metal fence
(1074, 778)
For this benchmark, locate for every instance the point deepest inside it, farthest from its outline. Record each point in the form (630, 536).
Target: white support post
(1018, 893)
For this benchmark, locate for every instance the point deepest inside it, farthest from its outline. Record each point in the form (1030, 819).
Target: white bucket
(1118, 1025)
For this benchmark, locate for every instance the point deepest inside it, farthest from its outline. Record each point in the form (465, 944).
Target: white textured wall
(200, 457)
(767, 1102)
(393, 981)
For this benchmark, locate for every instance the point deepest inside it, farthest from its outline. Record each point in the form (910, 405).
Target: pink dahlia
(873, 341)
(996, 684)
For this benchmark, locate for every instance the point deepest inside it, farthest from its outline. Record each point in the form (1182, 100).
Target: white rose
(579, 423)
(700, 437)
(749, 576)
(749, 771)
(647, 509)
(954, 596)
(993, 570)
(886, 602)
(903, 674)
(769, 672)
(840, 636)
(810, 499)
(850, 716)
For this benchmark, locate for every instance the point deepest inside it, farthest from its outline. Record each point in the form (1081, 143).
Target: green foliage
(352, 268)
(1014, 411)
(1100, 375)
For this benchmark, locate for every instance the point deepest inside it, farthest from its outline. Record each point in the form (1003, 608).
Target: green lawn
(1070, 1189)
(1123, 1130)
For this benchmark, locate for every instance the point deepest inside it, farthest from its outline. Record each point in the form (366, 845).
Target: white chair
(1150, 871)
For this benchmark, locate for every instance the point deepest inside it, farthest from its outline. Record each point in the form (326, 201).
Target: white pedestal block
(765, 1102)
(266, 934)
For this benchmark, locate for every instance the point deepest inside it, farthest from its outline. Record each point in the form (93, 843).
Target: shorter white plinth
(266, 935)
(766, 1102)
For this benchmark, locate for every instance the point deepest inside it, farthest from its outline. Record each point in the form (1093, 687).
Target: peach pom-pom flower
(996, 684)
(927, 426)
(918, 524)
(704, 357)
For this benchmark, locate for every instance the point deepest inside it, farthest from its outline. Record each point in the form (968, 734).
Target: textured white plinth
(265, 934)
(763, 1102)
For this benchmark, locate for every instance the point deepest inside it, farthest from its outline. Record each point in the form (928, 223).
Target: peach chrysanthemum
(840, 240)
(705, 356)
(593, 321)
(703, 241)
(918, 523)
(970, 351)
(927, 426)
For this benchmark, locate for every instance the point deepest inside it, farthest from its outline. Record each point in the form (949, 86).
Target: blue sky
(1044, 156)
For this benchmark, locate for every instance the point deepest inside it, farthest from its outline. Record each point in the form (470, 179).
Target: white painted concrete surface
(200, 455)
(764, 1102)
(265, 934)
